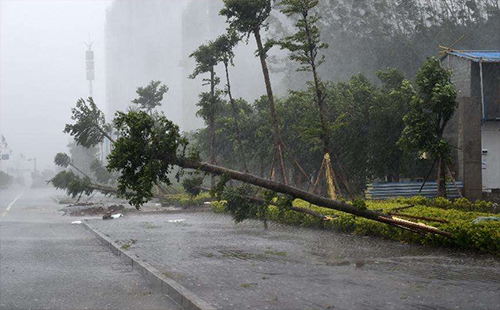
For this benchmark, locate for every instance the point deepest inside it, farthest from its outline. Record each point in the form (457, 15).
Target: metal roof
(477, 56)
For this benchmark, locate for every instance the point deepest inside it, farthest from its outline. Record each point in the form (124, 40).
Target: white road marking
(10, 205)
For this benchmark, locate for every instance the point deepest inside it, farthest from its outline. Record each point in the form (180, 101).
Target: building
(143, 43)
(474, 130)
(152, 40)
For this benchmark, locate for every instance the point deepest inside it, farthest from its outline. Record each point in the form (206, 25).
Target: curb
(179, 294)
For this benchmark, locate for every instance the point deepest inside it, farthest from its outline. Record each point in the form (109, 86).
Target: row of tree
(365, 36)
(347, 132)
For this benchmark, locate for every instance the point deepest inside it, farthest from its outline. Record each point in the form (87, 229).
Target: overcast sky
(42, 70)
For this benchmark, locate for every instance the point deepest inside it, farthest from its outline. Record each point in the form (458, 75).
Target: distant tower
(89, 57)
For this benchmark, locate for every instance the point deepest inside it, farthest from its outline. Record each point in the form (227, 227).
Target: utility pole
(89, 58)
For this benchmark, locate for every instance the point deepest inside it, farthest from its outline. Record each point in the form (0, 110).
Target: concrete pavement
(48, 263)
(243, 266)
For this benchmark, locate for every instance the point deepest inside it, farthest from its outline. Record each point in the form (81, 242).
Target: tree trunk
(236, 118)
(272, 107)
(211, 123)
(79, 170)
(441, 180)
(320, 99)
(105, 134)
(306, 196)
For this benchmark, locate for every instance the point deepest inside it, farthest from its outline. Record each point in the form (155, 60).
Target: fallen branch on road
(311, 198)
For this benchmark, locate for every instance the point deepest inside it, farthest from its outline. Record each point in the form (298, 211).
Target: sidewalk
(246, 267)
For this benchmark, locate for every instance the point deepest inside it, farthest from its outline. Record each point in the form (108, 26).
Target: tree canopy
(430, 111)
(90, 127)
(150, 96)
(144, 153)
(246, 16)
(306, 43)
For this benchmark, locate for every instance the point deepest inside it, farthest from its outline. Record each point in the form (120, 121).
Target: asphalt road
(48, 263)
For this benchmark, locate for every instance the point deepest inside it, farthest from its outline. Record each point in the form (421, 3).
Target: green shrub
(185, 200)
(461, 204)
(441, 202)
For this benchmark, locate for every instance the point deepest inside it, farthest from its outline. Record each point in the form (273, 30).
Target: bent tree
(249, 17)
(430, 111)
(224, 46)
(210, 102)
(304, 47)
(90, 128)
(149, 146)
(163, 148)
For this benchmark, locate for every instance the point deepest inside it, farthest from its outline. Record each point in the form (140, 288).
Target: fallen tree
(75, 185)
(309, 197)
(150, 145)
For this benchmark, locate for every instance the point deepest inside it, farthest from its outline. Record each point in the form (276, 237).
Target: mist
(223, 148)
(42, 72)
(42, 65)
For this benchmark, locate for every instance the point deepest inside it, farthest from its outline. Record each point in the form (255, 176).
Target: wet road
(48, 263)
(244, 266)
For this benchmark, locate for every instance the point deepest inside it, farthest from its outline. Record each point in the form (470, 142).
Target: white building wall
(491, 155)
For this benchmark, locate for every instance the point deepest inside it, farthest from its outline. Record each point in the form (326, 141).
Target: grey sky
(42, 70)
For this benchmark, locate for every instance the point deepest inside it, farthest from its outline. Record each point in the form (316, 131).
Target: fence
(380, 191)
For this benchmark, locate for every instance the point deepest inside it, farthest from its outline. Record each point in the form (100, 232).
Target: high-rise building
(143, 44)
(152, 40)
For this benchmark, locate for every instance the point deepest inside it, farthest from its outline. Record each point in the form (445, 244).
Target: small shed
(475, 128)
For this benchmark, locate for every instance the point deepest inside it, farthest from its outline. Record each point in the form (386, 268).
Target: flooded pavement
(48, 263)
(243, 266)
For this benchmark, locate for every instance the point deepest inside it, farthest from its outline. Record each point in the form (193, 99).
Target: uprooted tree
(149, 146)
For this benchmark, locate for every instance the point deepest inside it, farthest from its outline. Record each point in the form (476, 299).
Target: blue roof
(477, 56)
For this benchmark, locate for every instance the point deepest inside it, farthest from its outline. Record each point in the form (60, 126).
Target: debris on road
(109, 216)
(76, 222)
(177, 221)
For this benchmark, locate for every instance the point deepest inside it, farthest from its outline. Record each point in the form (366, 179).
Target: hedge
(483, 237)
(185, 200)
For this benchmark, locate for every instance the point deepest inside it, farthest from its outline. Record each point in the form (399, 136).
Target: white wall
(491, 160)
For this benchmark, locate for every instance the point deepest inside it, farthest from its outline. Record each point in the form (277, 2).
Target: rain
(250, 154)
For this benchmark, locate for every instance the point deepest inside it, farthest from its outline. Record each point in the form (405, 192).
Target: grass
(126, 246)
